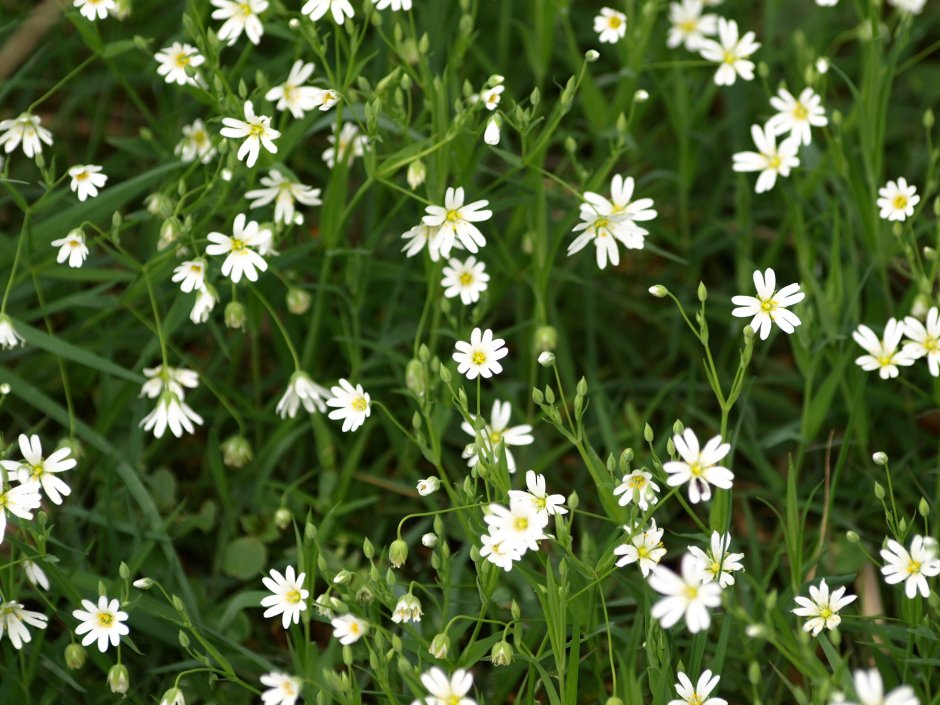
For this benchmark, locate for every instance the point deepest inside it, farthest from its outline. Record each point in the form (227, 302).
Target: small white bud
(547, 358)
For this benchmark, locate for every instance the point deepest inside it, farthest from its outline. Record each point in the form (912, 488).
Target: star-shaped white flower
(885, 354)
(689, 25)
(897, 200)
(240, 258)
(770, 159)
(288, 598)
(455, 222)
(770, 305)
(686, 595)
(822, 607)
(36, 468)
(240, 16)
(480, 357)
(924, 340)
(730, 52)
(795, 116)
(699, 467)
(256, 130)
(610, 25)
(912, 568)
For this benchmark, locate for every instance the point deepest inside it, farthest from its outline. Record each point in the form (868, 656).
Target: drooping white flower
(9, 338)
(897, 200)
(41, 470)
(173, 413)
(537, 496)
(698, 694)
(886, 354)
(911, 7)
(283, 192)
(924, 340)
(240, 16)
(719, 563)
(93, 10)
(190, 275)
(770, 305)
(686, 595)
(206, 299)
(20, 501)
(730, 52)
(447, 690)
(455, 221)
(25, 129)
(163, 377)
(490, 97)
(480, 357)
(827, 3)
(351, 404)
(196, 143)
(408, 609)
(173, 61)
(491, 133)
(770, 159)
(822, 607)
(340, 9)
(35, 575)
(610, 25)
(467, 279)
(288, 598)
(256, 130)
(86, 180)
(13, 621)
(912, 568)
(422, 235)
(495, 434)
(699, 467)
(240, 258)
(282, 689)
(689, 25)
(870, 691)
(349, 145)
(428, 486)
(637, 487)
(795, 116)
(72, 247)
(643, 547)
(293, 95)
(302, 391)
(349, 629)
(103, 622)
(393, 5)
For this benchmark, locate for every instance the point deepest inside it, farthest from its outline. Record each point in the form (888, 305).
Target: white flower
(351, 404)
(408, 609)
(282, 689)
(924, 341)
(897, 200)
(349, 629)
(9, 338)
(467, 279)
(883, 355)
(240, 258)
(770, 305)
(393, 5)
(699, 693)
(769, 159)
(827, 3)
(302, 390)
(428, 486)
(718, 563)
(325, 98)
(870, 691)
(19, 501)
(911, 568)
(288, 598)
(699, 467)
(521, 526)
(419, 236)
(491, 133)
(730, 52)
(429, 540)
(490, 97)
(637, 487)
(284, 192)
(86, 180)
(480, 356)
(610, 25)
(417, 173)
(196, 143)
(35, 575)
(35, 468)
(191, 275)
(644, 547)
(351, 145)
(95, 9)
(538, 497)
(340, 9)
(455, 221)
(795, 116)
(689, 25)
(72, 247)
(174, 379)
(206, 299)
(172, 412)
(173, 61)
(686, 596)
(103, 622)
(13, 621)
(912, 7)
(25, 129)
(500, 551)
(293, 95)
(240, 16)
(256, 131)
(604, 230)
(444, 690)
(822, 608)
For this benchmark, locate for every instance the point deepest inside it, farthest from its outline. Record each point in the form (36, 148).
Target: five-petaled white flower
(924, 340)
(537, 496)
(293, 95)
(480, 356)
(173, 61)
(13, 621)
(686, 595)
(912, 568)
(190, 275)
(86, 180)
(795, 116)
(19, 501)
(340, 9)
(886, 354)
(689, 25)
(730, 52)
(467, 279)
(522, 525)
(870, 691)
(283, 192)
(349, 145)
(770, 304)
(447, 690)
(770, 159)
(494, 434)
(26, 129)
(41, 470)
(643, 547)
(282, 689)
(240, 258)
(302, 390)
(95, 9)
(822, 607)
(206, 299)
(897, 200)
(610, 25)
(637, 487)
(72, 247)
(699, 467)
(240, 16)
(256, 131)
(490, 97)
(288, 598)
(196, 143)
(173, 413)
(103, 622)
(699, 693)
(428, 486)
(455, 222)
(349, 403)
(349, 629)
(719, 563)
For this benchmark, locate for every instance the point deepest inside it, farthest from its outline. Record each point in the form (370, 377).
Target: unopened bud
(591, 56)
(547, 358)
(75, 656)
(879, 458)
(440, 645)
(235, 315)
(501, 654)
(236, 451)
(282, 518)
(298, 300)
(118, 679)
(398, 553)
(659, 291)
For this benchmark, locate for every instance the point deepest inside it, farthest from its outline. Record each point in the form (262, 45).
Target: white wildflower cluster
(901, 344)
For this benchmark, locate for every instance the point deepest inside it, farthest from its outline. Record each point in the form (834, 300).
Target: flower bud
(282, 518)
(429, 540)
(591, 55)
(852, 537)
(143, 583)
(75, 656)
(641, 96)
(298, 300)
(501, 654)
(118, 679)
(879, 491)
(174, 696)
(928, 119)
(343, 577)
(659, 291)
(428, 486)
(614, 701)
(879, 458)
(440, 645)
(416, 378)
(547, 358)
(546, 338)
(822, 65)
(398, 553)
(417, 172)
(235, 315)
(702, 292)
(923, 507)
(236, 451)
(491, 133)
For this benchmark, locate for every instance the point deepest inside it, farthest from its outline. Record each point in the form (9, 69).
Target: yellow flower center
(38, 470)
(326, 97)
(540, 502)
(931, 345)
(767, 305)
(900, 201)
(643, 552)
(691, 592)
(696, 469)
(800, 112)
(256, 130)
(466, 279)
(195, 268)
(3, 500)
(105, 619)
(614, 22)
(885, 360)
(293, 596)
(913, 567)
(729, 57)
(773, 162)
(825, 612)
(637, 482)
(75, 243)
(714, 568)
(520, 524)
(695, 699)
(245, 9)
(238, 245)
(359, 404)
(288, 688)
(354, 627)
(200, 138)
(182, 60)
(688, 26)
(495, 437)
(288, 93)
(479, 357)
(453, 216)
(82, 176)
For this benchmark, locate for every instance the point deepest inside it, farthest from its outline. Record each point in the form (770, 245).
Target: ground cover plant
(463, 351)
